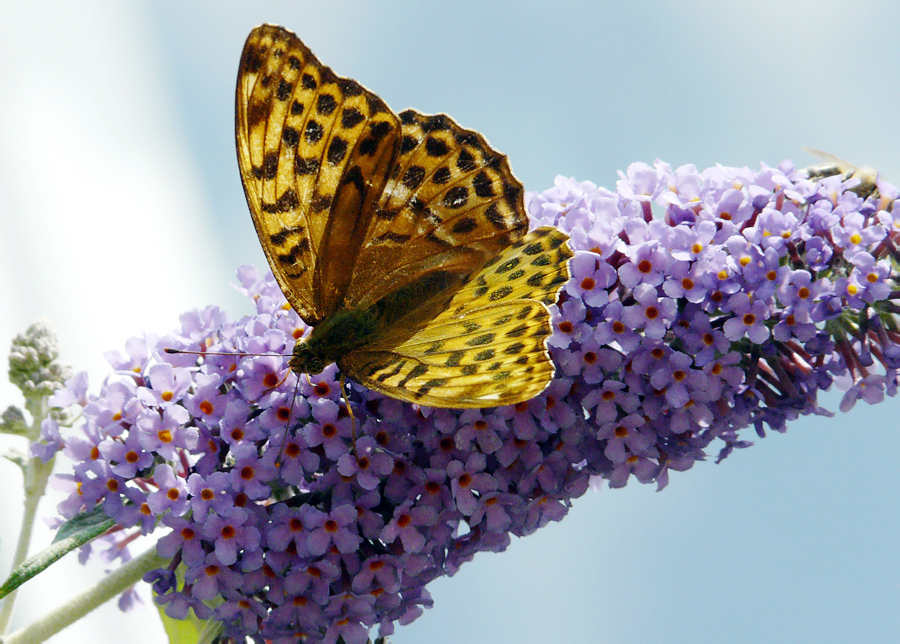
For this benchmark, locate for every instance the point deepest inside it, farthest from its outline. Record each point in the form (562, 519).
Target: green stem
(76, 608)
(35, 474)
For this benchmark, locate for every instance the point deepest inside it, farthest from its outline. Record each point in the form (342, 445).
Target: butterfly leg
(346, 397)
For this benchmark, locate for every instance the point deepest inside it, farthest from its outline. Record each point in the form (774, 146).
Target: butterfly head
(305, 360)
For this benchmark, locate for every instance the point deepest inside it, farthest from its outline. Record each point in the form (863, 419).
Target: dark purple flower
(410, 525)
(171, 495)
(337, 528)
(230, 533)
(368, 464)
(748, 319)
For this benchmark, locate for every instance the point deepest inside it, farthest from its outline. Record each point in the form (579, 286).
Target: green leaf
(192, 629)
(72, 534)
(84, 526)
(182, 631)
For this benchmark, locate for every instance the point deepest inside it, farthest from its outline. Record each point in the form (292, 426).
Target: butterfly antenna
(239, 354)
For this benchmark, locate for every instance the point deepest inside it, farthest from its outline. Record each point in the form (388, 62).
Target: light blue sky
(121, 205)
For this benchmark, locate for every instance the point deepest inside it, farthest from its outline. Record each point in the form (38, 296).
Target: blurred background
(121, 207)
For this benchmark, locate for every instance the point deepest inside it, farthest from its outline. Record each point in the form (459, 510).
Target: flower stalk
(35, 369)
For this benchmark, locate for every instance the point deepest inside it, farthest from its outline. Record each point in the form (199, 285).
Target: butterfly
(401, 239)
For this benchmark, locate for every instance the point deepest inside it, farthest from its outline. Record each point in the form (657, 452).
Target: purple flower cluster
(700, 303)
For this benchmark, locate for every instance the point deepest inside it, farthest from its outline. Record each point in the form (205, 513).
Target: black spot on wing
(415, 372)
(484, 188)
(307, 166)
(297, 250)
(321, 202)
(351, 117)
(284, 90)
(355, 177)
(442, 175)
(308, 81)
(349, 87)
(428, 386)
(517, 332)
(269, 168)
(495, 217)
(480, 340)
(286, 203)
(254, 59)
(393, 372)
(290, 136)
(377, 131)
(465, 161)
(326, 104)
(281, 236)
(413, 177)
(337, 150)
(436, 147)
(313, 132)
(392, 237)
(464, 225)
(456, 197)
(408, 144)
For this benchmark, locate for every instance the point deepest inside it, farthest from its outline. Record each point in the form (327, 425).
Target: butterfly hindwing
(533, 268)
(488, 346)
(495, 356)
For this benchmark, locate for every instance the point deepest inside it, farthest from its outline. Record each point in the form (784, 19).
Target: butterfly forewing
(452, 203)
(311, 145)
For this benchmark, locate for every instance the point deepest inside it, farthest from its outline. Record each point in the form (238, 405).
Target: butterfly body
(351, 328)
(401, 238)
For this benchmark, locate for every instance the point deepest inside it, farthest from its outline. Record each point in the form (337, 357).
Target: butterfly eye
(305, 361)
